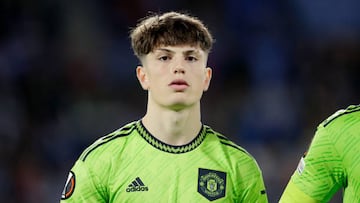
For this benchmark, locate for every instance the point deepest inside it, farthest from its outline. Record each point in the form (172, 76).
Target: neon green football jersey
(331, 163)
(131, 165)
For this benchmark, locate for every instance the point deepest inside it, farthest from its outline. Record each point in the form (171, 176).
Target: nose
(179, 70)
(178, 67)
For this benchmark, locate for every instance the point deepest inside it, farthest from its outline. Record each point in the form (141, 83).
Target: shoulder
(105, 144)
(337, 129)
(340, 115)
(241, 163)
(342, 120)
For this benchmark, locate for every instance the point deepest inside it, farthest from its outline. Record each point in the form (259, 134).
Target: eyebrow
(186, 53)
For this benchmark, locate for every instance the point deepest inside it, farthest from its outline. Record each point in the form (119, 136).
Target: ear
(142, 77)
(208, 75)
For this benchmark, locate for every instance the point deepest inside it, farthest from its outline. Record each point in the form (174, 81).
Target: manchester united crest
(211, 184)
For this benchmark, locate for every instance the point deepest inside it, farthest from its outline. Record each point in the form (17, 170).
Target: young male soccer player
(332, 162)
(168, 155)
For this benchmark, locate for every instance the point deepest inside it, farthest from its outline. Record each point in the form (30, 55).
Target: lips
(179, 85)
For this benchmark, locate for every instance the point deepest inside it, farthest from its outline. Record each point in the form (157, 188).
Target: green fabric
(333, 159)
(130, 165)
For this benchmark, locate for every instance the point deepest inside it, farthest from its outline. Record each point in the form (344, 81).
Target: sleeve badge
(69, 186)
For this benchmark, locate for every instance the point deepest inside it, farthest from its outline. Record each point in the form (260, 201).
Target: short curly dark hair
(169, 29)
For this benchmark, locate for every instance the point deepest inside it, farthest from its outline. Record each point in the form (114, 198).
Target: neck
(173, 127)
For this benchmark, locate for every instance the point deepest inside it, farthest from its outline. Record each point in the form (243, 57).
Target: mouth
(179, 85)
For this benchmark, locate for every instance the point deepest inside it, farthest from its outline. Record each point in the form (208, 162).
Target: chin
(177, 106)
(180, 103)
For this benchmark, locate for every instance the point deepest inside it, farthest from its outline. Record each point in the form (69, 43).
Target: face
(175, 76)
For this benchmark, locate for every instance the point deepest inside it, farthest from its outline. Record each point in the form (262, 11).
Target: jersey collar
(170, 148)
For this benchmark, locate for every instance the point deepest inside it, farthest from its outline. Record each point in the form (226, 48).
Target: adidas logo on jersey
(137, 186)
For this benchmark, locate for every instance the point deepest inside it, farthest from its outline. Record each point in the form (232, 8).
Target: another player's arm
(293, 194)
(319, 174)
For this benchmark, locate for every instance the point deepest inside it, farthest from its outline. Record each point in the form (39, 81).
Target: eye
(164, 58)
(191, 58)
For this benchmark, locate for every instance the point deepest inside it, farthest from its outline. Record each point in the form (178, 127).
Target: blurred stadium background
(67, 77)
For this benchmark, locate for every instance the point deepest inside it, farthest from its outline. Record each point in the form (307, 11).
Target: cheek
(156, 82)
(200, 81)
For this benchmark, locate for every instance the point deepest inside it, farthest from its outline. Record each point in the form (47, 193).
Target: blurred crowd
(67, 77)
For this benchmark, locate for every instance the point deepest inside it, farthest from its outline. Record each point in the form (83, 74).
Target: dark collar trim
(170, 148)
